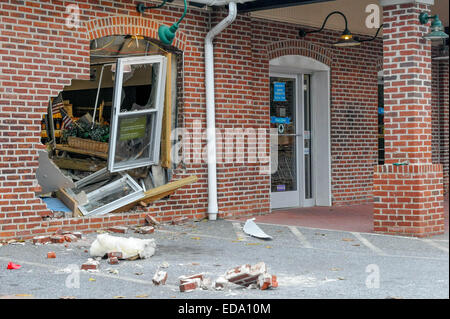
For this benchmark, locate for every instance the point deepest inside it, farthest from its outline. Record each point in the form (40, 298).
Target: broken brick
(190, 285)
(90, 265)
(145, 230)
(184, 279)
(51, 254)
(118, 229)
(179, 220)
(220, 283)
(41, 239)
(78, 234)
(151, 220)
(70, 238)
(115, 254)
(266, 281)
(246, 275)
(160, 278)
(57, 239)
(113, 260)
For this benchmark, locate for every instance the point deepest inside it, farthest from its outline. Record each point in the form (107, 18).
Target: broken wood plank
(166, 143)
(69, 202)
(157, 193)
(79, 164)
(62, 147)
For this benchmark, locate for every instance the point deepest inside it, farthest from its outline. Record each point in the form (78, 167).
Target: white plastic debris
(252, 229)
(129, 247)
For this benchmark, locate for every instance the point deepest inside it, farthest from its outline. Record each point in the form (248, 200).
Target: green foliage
(99, 133)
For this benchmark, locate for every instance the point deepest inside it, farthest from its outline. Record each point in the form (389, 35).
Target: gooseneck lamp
(437, 28)
(372, 38)
(166, 34)
(346, 38)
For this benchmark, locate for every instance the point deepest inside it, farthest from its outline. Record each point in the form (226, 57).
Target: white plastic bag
(129, 247)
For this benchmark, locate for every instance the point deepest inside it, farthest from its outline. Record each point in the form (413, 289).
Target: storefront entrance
(290, 113)
(299, 111)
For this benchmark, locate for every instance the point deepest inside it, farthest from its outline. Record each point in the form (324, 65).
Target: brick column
(408, 199)
(444, 120)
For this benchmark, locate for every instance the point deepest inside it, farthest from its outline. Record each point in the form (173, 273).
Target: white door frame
(320, 119)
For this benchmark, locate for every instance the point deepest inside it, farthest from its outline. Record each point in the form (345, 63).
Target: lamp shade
(346, 40)
(437, 28)
(346, 43)
(166, 34)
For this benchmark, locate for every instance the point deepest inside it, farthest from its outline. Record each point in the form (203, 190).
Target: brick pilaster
(408, 199)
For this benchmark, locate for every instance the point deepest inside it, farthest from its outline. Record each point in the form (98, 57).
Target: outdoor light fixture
(345, 40)
(166, 34)
(437, 28)
(372, 38)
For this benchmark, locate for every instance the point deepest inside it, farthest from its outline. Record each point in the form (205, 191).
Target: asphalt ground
(309, 264)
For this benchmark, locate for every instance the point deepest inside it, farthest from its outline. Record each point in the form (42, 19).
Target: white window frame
(155, 142)
(137, 193)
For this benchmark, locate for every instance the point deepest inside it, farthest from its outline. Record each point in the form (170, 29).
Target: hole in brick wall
(77, 126)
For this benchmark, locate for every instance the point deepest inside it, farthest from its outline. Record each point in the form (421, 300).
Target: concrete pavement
(309, 263)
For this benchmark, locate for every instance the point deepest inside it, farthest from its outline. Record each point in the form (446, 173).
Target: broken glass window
(137, 112)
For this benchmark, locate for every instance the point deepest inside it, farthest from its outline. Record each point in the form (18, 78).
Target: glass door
(283, 116)
(291, 115)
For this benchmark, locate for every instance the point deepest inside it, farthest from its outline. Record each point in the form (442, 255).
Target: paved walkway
(357, 218)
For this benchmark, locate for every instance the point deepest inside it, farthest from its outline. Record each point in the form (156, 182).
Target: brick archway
(300, 47)
(121, 25)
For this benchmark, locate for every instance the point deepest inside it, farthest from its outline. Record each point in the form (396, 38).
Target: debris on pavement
(91, 264)
(12, 265)
(51, 254)
(151, 220)
(118, 229)
(160, 278)
(131, 248)
(57, 239)
(247, 275)
(252, 229)
(41, 240)
(145, 230)
(115, 254)
(190, 283)
(113, 260)
(220, 283)
(179, 220)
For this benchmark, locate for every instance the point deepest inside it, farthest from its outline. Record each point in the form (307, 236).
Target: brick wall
(408, 199)
(39, 55)
(353, 100)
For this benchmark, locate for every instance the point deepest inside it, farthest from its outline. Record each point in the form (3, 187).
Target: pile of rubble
(114, 249)
(58, 238)
(254, 277)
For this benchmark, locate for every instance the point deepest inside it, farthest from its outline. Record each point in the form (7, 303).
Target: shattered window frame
(137, 193)
(155, 114)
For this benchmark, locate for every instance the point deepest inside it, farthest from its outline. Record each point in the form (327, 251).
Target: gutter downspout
(210, 110)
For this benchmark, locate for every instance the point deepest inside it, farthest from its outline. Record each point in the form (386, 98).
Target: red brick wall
(353, 101)
(408, 199)
(39, 56)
